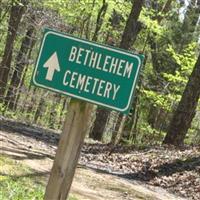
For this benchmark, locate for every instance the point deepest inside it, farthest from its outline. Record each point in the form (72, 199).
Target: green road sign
(99, 74)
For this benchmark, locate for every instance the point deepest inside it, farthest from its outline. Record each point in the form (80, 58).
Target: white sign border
(79, 97)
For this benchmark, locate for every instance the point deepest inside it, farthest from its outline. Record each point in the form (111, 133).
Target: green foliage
(87, 14)
(18, 2)
(152, 25)
(2, 107)
(147, 135)
(160, 100)
(186, 61)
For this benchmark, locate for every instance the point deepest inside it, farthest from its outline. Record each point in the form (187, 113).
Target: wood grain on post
(69, 147)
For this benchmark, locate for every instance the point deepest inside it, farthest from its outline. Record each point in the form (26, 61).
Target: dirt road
(38, 153)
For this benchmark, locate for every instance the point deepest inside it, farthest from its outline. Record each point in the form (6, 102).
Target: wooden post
(69, 147)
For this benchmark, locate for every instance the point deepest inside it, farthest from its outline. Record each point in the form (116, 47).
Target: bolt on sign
(88, 71)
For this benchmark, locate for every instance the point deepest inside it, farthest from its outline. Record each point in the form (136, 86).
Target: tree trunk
(130, 33)
(86, 23)
(99, 21)
(132, 29)
(4, 9)
(185, 111)
(164, 10)
(133, 131)
(133, 26)
(135, 106)
(24, 73)
(16, 13)
(110, 127)
(102, 114)
(21, 62)
(32, 101)
(156, 58)
(189, 27)
(65, 103)
(40, 107)
(53, 112)
(99, 124)
(120, 131)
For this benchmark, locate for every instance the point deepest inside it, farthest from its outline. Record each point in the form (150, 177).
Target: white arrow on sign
(52, 65)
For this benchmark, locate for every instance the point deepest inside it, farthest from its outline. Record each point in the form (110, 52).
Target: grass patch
(19, 182)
